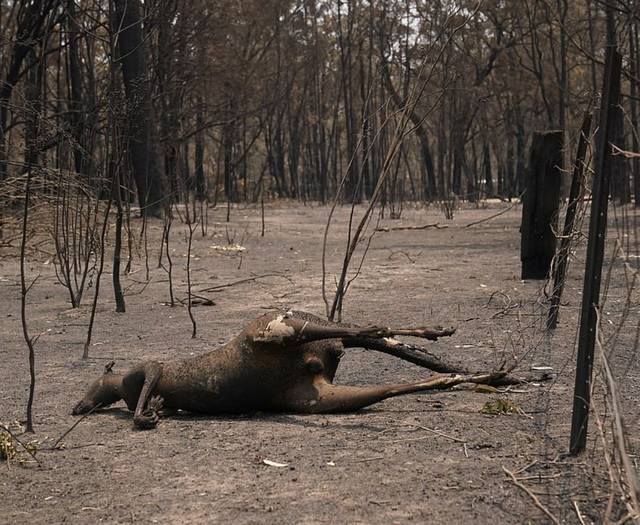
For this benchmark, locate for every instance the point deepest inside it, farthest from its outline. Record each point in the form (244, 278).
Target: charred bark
(540, 205)
(145, 165)
(31, 19)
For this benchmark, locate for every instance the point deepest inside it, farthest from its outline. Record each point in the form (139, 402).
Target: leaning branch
(242, 281)
(496, 214)
(423, 227)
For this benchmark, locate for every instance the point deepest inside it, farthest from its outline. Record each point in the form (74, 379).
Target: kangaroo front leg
(140, 383)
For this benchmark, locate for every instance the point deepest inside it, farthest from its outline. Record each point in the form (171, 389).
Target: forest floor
(424, 458)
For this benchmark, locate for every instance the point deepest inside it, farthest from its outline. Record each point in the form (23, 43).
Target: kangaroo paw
(146, 422)
(151, 415)
(156, 404)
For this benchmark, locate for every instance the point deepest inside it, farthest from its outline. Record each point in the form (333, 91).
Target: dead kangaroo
(281, 362)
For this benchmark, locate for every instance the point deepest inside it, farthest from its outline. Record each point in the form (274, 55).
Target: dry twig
(242, 281)
(435, 225)
(533, 497)
(501, 212)
(68, 431)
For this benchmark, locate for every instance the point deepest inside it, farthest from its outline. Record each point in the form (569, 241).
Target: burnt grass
(432, 457)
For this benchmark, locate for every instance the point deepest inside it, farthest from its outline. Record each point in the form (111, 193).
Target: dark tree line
(237, 100)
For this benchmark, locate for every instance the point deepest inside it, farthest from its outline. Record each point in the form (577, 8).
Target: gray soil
(421, 458)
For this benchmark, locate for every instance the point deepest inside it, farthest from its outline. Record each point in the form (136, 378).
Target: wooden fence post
(595, 253)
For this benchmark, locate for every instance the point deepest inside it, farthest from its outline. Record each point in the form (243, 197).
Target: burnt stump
(540, 205)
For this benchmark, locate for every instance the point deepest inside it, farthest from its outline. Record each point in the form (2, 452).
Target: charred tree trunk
(520, 173)
(168, 119)
(508, 185)
(228, 143)
(127, 24)
(31, 18)
(431, 190)
(486, 167)
(618, 166)
(32, 112)
(540, 205)
(619, 175)
(200, 185)
(352, 189)
(633, 59)
(77, 110)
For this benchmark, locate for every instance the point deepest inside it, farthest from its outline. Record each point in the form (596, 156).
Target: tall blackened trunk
(520, 158)
(500, 181)
(486, 168)
(228, 142)
(562, 71)
(635, 162)
(457, 142)
(364, 100)
(296, 130)
(418, 121)
(145, 164)
(619, 177)
(32, 111)
(320, 150)
(170, 52)
(200, 186)
(592, 45)
(352, 190)
(508, 184)
(429, 177)
(77, 109)
(31, 19)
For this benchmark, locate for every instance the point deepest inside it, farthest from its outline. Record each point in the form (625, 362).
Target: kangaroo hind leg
(330, 398)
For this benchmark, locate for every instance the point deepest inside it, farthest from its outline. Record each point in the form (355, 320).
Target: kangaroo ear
(108, 368)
